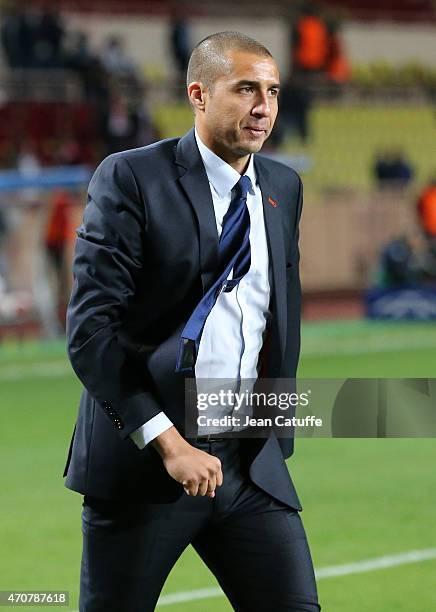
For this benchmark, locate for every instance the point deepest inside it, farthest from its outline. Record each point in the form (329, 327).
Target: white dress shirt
(233, 333)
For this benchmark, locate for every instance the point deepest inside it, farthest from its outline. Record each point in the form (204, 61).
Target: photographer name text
(247, 421)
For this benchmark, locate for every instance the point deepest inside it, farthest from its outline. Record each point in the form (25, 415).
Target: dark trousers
(255, 546)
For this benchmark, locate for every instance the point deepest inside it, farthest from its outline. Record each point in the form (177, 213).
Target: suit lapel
(276, 248)
(195, 184)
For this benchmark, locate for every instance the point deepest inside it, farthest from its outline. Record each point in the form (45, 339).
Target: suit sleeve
(108, 260)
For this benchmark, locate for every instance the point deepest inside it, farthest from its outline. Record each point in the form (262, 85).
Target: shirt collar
(221, 175)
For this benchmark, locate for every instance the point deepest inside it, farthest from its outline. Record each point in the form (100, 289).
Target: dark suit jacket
(145, 253)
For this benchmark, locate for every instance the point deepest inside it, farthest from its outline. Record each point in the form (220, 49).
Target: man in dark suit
(150, 265)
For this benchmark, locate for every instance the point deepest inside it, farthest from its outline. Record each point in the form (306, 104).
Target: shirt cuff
(150, 430)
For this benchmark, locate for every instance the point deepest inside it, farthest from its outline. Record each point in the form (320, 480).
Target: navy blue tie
(233, 254)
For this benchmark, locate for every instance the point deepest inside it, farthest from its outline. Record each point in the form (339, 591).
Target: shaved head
(209, 59)
(233, 86)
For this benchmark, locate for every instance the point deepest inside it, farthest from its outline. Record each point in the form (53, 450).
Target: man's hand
(198, 472)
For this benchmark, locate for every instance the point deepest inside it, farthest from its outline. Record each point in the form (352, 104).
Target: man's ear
(197, 95)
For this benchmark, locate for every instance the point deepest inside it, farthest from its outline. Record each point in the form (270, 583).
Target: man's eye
(246, 89)
(274, 92)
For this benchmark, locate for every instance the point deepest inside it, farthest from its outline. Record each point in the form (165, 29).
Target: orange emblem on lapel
(272, 202)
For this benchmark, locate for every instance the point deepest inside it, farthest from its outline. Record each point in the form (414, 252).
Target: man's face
(241, 108)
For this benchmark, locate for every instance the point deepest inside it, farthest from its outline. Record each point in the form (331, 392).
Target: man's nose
(262, 106)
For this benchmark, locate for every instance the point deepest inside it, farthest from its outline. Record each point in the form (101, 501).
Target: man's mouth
(256, 131)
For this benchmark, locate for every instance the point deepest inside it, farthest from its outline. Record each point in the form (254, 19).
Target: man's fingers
(212, 484)
(191, 487)
(216, 472)
(203, 487)
(219, 477)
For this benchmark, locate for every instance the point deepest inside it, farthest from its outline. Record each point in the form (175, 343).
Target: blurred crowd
(113, 114)
(36, 40)
(113, 87)
(110, 115)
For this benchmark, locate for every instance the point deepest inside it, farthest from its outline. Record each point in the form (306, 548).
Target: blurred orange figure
(427, 209)
(311, 44)
(58, 229)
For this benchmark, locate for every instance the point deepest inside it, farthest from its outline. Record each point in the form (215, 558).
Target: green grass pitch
(362, 498)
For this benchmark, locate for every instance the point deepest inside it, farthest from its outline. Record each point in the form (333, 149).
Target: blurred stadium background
(80, 79)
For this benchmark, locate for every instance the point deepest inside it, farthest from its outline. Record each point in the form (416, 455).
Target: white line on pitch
(368, 565)
(413, 556)
(332, 571)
